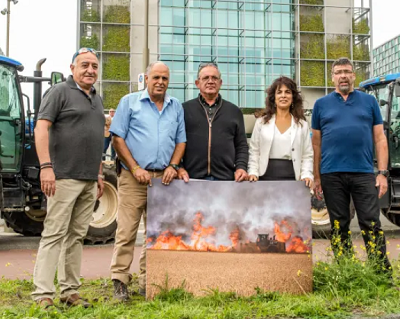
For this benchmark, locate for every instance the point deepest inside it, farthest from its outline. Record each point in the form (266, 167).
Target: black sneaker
(120, 290)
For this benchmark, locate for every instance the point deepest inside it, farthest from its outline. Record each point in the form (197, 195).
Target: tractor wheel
(393, 218)
(104, 224)
(321, 225)
(27, 223)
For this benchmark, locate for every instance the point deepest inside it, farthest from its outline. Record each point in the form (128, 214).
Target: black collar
(203, 100)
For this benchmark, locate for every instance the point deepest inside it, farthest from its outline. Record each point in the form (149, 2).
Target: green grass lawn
(341, 289)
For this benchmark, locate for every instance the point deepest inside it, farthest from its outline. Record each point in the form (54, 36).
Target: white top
(281, 145)
(261, 142)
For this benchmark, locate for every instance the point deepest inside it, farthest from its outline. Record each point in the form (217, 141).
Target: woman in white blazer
(280, 146)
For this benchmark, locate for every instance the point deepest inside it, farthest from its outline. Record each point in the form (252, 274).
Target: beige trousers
(132, 202)
(69, 213)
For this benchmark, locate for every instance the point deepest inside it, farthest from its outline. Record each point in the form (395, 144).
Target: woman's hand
(309, 182)
(253, 178)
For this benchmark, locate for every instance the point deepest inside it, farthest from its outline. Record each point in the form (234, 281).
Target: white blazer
(260, 146)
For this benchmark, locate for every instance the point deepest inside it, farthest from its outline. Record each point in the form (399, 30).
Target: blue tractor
(386, 89)
(23, 205)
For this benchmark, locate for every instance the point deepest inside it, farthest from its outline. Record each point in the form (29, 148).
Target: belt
(152, 170)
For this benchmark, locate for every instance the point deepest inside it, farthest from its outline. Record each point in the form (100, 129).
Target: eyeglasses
(208, 78)
(345, 72)
(84, 50)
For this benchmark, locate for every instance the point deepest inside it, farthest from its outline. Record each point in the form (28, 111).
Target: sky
(47, 29)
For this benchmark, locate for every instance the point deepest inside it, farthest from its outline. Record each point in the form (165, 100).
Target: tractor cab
(11, 117)
(386, 90)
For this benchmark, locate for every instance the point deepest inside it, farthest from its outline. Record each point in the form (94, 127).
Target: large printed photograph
(229, 236)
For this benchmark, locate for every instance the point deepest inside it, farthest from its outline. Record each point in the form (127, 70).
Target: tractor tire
(321, 225)
(23, 223)
(104, 224)
(393, 218)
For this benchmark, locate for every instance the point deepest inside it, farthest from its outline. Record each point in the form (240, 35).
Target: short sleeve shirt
(76, 137)
(346, 131)
(150, 135)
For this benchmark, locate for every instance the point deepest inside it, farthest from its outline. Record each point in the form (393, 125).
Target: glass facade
(387, 57)
(251, 41)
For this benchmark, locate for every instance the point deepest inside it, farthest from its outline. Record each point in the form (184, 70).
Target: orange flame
(296, 246)
(202, 239)
(280, 235)
(199, 237)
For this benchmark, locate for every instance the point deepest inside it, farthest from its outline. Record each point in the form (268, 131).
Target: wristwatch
(384, 172)
(174, 166)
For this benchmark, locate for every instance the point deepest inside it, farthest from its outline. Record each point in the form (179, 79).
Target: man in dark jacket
(216, 146)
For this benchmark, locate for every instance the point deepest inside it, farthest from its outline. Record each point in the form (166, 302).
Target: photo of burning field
(229, 236)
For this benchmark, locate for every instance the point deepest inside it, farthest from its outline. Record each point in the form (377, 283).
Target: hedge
(117, 38)
(250, 110)
(116, 67)
(311, 23)
(117, 14)
(112, 94)
(337, 47)
(312, 73)
(361, 26)
(313, 48)
(90, 42)
(361, 52)
(315, 2)
(90, 16)
(361, 75)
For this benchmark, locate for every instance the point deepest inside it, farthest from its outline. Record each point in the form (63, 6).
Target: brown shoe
(75, 300)
(45, 302)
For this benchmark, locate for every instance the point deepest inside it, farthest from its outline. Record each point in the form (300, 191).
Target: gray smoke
(252, 207)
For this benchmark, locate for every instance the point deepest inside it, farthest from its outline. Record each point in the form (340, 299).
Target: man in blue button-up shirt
(149, 137)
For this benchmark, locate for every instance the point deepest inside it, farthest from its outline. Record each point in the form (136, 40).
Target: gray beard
(344, 90)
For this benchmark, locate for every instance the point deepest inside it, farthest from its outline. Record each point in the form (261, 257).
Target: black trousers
(337, 188)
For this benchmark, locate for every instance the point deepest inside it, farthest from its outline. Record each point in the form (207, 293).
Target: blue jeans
(210, 178)
(107, 141)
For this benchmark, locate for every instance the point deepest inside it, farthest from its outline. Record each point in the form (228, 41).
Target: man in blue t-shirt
(345, 125)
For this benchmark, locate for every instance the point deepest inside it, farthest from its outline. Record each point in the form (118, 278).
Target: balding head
(157, 80)
(151, 65)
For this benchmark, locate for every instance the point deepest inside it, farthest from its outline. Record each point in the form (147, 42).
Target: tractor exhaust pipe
(37, 88)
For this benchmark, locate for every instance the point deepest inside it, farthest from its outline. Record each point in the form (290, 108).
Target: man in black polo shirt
(216, 147)
(345, 124)
(69, 143)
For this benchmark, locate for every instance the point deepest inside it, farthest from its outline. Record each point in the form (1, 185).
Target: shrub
(117, 14)
(311, 23)
(112, 94)
(90, 16)
(117, 39)
(116, 67)
(361, 52)
(312, 47)
(90, 42)
(337, 47)
(312, 73)
(314, 2)
(361, 75)
(361, 26)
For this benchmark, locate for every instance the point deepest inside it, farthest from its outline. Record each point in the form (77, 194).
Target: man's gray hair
(151, 65)
(206, 64)
(342, 61)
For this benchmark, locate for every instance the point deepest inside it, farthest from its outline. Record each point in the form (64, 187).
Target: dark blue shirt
(346, 131)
